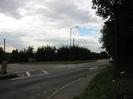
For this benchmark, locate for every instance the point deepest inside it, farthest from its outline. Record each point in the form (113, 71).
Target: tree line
(51, 53)
(117, 32)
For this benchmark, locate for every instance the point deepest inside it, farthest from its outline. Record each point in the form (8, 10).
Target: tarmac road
(40, 81)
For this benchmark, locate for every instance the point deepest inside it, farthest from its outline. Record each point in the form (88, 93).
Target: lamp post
(71, 40)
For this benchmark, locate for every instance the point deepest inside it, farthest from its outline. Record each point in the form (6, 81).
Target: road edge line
(60, 89)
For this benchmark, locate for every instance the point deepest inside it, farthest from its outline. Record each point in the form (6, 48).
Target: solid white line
(37, 75)
(26, 71)
(45, 72)
(19, 78)
(28, 74)
(60, 89)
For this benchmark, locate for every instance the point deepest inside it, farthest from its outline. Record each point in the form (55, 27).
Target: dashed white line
(28, 74)
(45, 72)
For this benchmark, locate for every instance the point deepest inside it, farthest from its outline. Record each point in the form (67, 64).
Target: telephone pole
(4, 45)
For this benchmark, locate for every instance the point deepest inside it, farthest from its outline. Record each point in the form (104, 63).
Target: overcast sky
(47, 22)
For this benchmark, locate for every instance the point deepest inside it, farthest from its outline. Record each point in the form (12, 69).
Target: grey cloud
(11, 7)
(61, 12)
(13, 39)
(64, 13)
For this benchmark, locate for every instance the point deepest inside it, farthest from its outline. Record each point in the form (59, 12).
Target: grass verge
(109, 84)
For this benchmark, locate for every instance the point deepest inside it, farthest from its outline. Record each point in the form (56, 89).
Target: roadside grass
(109, 84)
(60, 62)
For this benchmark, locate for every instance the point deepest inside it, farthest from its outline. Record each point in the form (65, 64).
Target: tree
(111, 35)
(40, 54)
(23, 57)
(63, 53)
(107, 36)
(49, 53)
(77, 53)
(15, 56)
(80, 53)
(105, 9)
(45, 53)
(108, 9)
(29, 53)
(117, 32)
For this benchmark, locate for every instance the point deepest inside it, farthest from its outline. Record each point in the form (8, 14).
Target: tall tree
(117, 31)
(29, 52)
(45, 53)
(15, 56)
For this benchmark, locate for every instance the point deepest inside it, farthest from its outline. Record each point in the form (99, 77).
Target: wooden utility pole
(4, 45)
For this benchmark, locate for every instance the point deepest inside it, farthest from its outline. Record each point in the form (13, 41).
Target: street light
(71, 40)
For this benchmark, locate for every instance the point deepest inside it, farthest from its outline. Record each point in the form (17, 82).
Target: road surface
(40, 81)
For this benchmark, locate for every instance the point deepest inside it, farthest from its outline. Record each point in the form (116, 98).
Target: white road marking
(92, 68)
(28, 74)
(26, 71)
(19, 78)
(37, 75)
(60, 89)
(45, 72)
